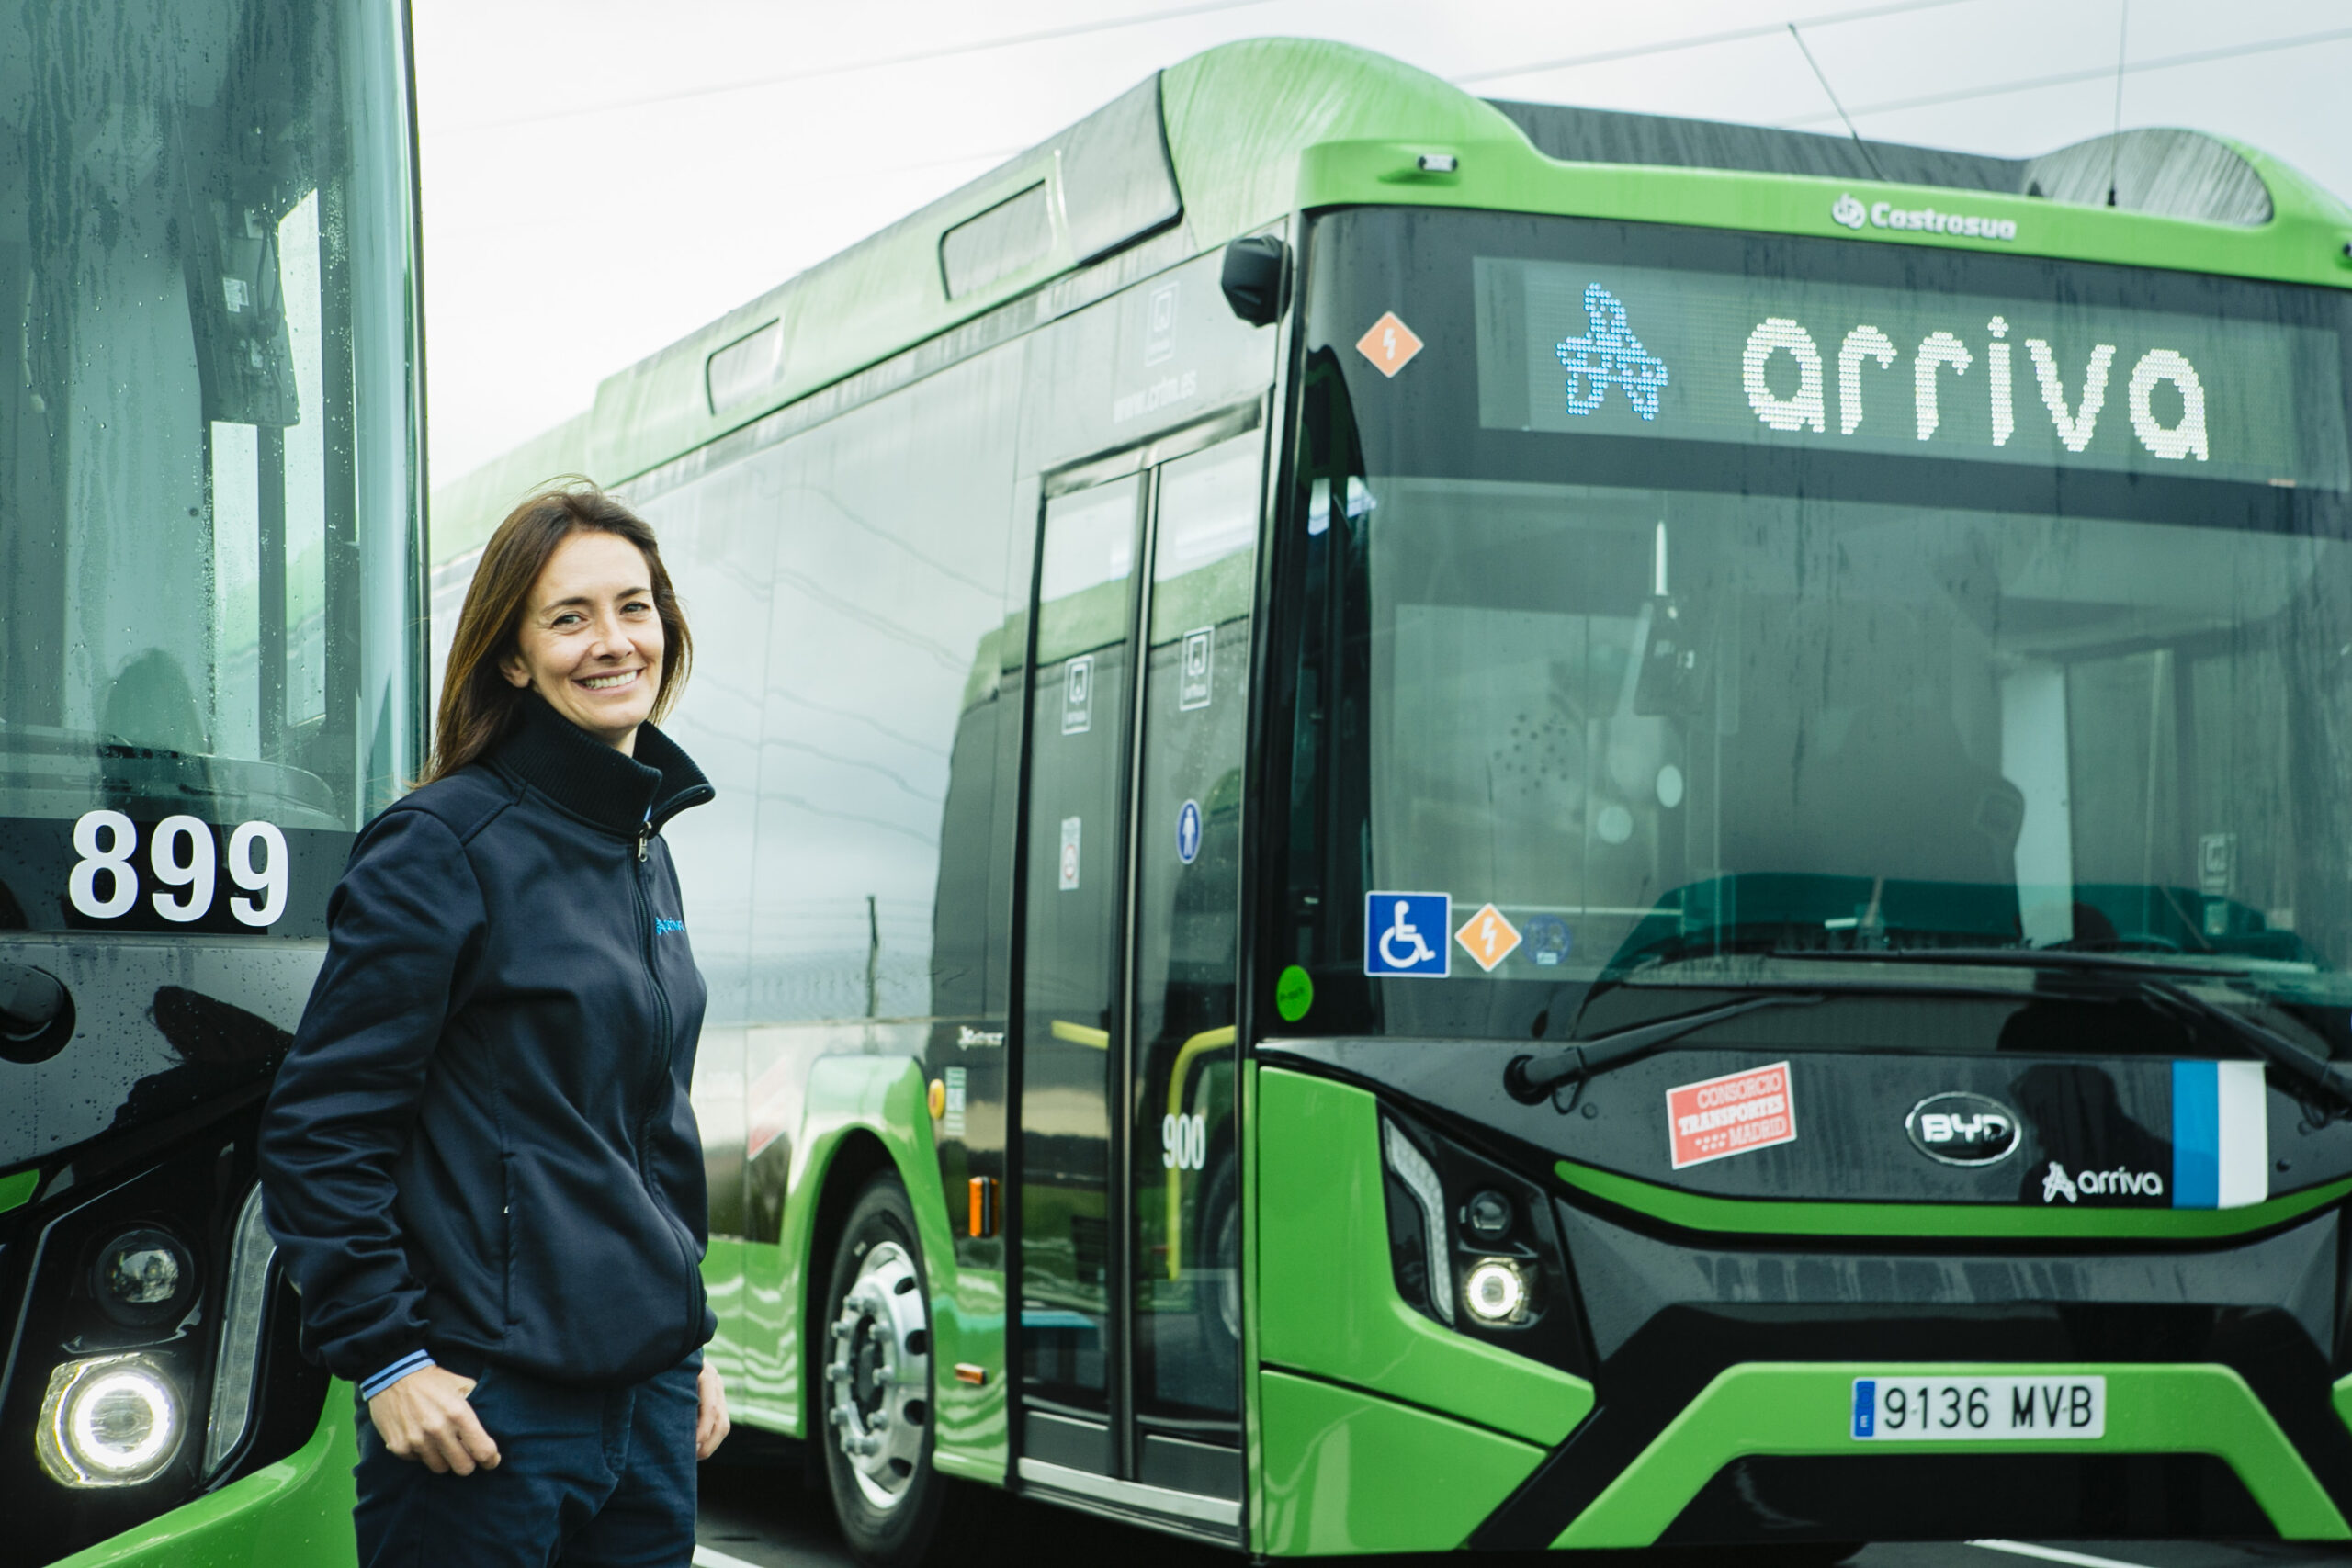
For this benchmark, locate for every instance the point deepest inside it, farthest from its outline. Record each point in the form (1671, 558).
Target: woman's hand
(426, 1416)
(712, 1424)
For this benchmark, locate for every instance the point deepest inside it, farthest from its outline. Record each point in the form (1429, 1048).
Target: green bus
(212, 673)
(1457, 824)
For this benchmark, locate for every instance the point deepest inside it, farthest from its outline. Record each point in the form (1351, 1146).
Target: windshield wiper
(2314, 1072)
(2061, 958)
(1529, 1080)
(2156, 982)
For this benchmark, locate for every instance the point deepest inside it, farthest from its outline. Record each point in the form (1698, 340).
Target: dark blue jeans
(587, 1478)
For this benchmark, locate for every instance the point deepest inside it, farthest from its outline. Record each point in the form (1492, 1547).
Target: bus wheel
(873, 1384)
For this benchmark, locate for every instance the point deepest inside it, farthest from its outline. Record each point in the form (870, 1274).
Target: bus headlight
(143, 1278)
(1495, 1291)
(108, 1421)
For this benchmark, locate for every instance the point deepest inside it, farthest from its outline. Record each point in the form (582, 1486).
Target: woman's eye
(568, 618)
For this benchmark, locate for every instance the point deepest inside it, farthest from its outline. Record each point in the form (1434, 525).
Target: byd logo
(1962, 1129)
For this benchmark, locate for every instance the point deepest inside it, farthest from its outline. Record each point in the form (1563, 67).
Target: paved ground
(759, 1516)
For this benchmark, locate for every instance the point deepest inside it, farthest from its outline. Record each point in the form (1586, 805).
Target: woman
(479, 1159)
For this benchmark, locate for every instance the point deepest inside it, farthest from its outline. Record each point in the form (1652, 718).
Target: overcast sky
(601, 176)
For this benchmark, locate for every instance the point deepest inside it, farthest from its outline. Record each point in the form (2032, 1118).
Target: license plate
(1891, 1409)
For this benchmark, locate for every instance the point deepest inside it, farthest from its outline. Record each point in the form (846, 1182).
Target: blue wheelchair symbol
(1188, 831)
(1408, 934)
(1612, 356)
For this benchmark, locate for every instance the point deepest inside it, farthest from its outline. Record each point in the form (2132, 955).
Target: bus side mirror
(1257, 278)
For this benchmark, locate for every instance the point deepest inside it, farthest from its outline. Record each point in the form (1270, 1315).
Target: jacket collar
(627, 795)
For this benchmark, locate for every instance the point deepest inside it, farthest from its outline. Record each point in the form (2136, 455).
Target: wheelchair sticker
(1405, 934)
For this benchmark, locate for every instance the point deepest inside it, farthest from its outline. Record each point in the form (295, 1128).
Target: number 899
(182, 859)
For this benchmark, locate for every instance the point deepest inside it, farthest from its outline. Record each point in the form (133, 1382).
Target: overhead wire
(1565, 63)
(2115, 139)
(2069, 78)
(1823, 77)
(1700, 40)
(1109, 24)
(846, 68)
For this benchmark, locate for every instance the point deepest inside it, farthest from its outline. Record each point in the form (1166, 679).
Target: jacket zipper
(661, 1075)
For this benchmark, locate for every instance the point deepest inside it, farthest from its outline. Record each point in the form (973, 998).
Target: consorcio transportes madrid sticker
(1731, 1115)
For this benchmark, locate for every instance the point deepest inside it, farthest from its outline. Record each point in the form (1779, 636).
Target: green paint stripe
(1804, 1410)
(1772, 1216)
(2343, 1399)
(17, 1190)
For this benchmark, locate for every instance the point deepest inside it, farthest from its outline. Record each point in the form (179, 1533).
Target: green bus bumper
(293, 1513)
(1804, 1409)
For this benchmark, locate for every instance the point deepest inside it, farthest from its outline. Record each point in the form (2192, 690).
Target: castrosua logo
(1848, 212)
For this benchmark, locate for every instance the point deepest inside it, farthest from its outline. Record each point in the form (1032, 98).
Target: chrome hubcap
(878, 1395)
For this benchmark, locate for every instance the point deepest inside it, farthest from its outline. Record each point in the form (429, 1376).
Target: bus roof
(1233, 139)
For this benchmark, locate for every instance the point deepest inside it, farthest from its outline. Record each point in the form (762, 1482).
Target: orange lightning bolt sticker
(1487, 938)
(1390, 345)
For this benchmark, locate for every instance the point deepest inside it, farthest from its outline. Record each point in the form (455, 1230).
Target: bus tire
(872, 1386)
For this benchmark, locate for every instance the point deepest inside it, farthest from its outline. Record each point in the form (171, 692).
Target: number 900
(181, 858)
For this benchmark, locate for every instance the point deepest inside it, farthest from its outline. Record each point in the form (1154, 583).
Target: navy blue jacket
(481, 1145)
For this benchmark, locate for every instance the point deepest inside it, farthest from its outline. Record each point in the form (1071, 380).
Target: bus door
(1128, 1190)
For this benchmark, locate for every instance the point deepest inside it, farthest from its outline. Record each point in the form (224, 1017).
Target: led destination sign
(1581, 348)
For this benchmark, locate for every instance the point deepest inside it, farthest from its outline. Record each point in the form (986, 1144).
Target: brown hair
(477, 706)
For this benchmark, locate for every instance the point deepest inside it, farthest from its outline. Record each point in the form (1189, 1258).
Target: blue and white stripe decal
(2220, 1135)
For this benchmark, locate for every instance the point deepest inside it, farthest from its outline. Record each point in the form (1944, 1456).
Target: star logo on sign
(1390, 345)
(1487, 938)
(1610, 355)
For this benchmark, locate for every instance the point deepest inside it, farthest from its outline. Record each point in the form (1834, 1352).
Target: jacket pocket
(599, 1273)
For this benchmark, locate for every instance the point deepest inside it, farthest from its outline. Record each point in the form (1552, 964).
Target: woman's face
(590, 642)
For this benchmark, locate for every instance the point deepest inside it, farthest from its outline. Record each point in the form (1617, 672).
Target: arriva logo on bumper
(1849, 212)
(2116, 1183)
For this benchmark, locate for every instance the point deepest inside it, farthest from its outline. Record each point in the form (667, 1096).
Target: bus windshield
(1685, 595)
(205, 421)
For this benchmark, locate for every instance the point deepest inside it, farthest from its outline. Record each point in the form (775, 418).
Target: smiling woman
(570, 601)
(486, 1103)
(590, 642)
